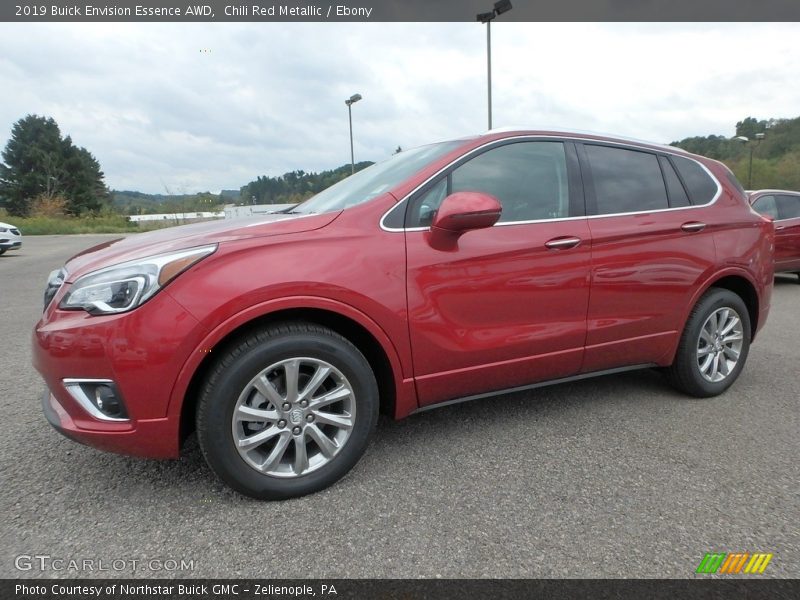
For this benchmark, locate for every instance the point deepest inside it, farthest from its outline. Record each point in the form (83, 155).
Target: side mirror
(463, 211)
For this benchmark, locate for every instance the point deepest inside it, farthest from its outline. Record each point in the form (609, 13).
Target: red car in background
(448, 272)
(783, 207)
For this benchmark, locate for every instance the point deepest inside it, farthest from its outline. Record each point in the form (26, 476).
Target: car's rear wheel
(714, 345)
(288, 411)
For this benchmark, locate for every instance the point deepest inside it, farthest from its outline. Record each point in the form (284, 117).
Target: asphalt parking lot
(613, 477)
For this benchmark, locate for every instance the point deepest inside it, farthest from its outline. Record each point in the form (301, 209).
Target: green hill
(139, 203)
(776, 157)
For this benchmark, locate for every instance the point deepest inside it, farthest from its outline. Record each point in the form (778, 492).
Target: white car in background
(10, 238)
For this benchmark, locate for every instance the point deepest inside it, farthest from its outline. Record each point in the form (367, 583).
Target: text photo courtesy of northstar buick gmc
(448, 272)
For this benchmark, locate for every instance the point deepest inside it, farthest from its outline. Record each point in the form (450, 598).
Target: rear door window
(675, 190)
(625, 181)
(789, 207)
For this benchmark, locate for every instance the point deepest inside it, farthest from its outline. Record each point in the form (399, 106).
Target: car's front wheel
(287, 411)
(714, 345)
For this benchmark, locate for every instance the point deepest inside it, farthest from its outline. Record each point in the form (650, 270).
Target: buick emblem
(296, 416)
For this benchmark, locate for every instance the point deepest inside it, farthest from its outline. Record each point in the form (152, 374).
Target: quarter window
(626, 180)
(701, 187)
(429, 202)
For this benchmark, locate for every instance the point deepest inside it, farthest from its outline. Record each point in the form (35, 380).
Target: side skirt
(533, 386)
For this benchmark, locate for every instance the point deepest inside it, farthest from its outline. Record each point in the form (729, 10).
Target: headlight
(125, 286)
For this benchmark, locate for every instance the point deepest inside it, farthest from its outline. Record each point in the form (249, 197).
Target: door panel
(786, 252)
(498, 311)
(787, 234)
(645, 265)
(506, 305)
(645, 269)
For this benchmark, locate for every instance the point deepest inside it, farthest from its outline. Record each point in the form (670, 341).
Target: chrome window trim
(73, 387)
(625, 145)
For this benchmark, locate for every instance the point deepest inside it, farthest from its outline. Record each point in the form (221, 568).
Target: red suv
(784, 208)
(449, 272)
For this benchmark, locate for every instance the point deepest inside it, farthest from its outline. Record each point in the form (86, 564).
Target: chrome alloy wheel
(720, 344)
(293, 417)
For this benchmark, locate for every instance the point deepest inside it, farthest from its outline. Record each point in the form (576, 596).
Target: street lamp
(350, 101)
(500, 7)
(746, 140)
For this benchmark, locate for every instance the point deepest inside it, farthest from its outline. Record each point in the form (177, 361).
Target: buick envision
(448, 272)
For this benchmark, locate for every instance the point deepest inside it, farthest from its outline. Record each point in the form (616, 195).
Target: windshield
(375, 180)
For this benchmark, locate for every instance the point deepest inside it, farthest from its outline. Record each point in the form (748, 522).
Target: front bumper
(12, 245)
(141, 351)
(155, 438)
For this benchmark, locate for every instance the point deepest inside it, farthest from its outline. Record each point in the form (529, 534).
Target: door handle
(693, 226)
(563, 243)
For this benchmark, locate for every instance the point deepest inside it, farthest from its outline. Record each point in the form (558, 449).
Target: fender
(405, 400)
(702, 289)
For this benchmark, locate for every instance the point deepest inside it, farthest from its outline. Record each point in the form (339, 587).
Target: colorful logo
(734, 562)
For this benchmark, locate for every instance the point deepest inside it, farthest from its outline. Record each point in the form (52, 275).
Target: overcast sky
(264, 98)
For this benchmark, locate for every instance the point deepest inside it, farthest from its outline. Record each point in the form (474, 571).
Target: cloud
(194, 107)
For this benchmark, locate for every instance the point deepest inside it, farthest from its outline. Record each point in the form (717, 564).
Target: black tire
(237, 368)
(2, 251)
(684, 374)
(798, 277)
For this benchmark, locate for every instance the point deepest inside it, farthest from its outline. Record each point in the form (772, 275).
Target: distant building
(177, 218)
(254, 210)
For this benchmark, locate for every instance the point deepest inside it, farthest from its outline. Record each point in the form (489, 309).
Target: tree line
(139, 203)
(294, 186)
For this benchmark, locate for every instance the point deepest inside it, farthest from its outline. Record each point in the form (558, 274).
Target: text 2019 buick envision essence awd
(447, 272)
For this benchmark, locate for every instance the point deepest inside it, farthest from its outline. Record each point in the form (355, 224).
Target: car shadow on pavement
(444, 432)
(786, 279)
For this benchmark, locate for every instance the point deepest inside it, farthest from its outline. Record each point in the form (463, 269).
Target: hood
(140, 245)
(7, 225)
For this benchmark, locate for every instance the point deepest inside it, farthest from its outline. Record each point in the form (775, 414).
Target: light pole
(487, 17)
(746, 140)
(350, 101)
